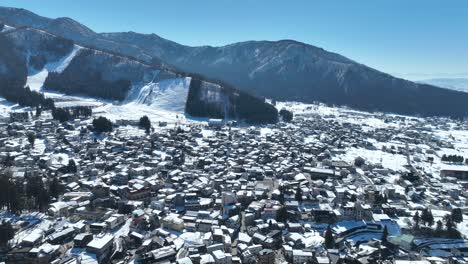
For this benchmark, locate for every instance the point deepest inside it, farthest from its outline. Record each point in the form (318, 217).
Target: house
(266, 256)
(216, 123)
(101, 246)
(58, 209)
(458, 171)
(173, 222)
(300, 257)
(81, 240)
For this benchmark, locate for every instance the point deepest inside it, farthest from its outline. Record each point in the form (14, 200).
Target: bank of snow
(133, 111)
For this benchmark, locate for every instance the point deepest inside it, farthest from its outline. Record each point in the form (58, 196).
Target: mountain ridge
(282, 70)
(104, 74)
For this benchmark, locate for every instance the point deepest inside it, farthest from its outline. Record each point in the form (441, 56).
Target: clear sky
(404, 37)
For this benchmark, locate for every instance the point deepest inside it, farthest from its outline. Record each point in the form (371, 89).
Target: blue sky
(408, 38)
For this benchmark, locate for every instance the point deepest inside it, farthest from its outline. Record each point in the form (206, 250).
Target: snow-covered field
(395, 162)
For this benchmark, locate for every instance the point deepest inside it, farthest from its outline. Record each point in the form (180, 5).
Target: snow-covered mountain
(283, 70)
(44, 61)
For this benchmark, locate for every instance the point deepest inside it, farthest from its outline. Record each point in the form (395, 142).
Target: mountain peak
(68, 26)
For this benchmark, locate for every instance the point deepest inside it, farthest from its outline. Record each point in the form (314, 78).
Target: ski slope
(36, 79)
(162, 100)
(169, 95)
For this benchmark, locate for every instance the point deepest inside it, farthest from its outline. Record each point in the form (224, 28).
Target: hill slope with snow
(48, 63)
(284, 70)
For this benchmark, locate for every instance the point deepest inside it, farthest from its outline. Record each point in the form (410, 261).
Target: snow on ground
(131, 131)
(58, 160)
(459, 139)
(169, 95)
(368, 121)
(63, 63)
(160, 101)
(133, 111)
(6, 107)
(36, 79)
(439, 215)
(7, 28)
(391, 161)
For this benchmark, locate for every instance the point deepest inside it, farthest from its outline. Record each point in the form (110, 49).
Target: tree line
(66, 114)
(447, 227)
(30, 193)
(453, 158)
(238, 104)
(25, 97)
(86, 81)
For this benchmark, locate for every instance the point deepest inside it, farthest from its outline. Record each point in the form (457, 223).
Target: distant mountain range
(458, 84)
(281, 70)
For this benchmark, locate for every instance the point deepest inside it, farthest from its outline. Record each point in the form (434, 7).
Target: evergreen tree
(16, 194)
(286, 115)
(298, 195)
(359, 161)
(385, 234)
(71, 167)
(31, 138)
(145, 123)
(37, 193)
(6, 232)
(60, 114)
(457, 215)
(11, 197)
(416, 219)
(102, 124)
(281, 194)
(425, 216)
(430, 218)
(55, 188)
(43, 199)
(8, 161)
(449, 224)
(439, 228)
(38, 111)
(379, 199)
(282, 214)
(4, 184)
(329, 240)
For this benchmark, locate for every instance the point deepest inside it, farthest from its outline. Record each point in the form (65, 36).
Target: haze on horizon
(410, 39)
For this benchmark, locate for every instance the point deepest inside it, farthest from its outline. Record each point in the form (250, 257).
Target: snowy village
(234, 137)
(332, 185)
